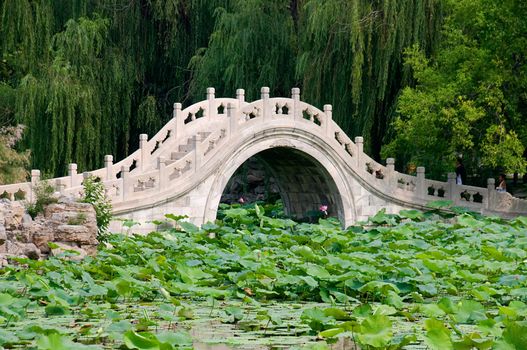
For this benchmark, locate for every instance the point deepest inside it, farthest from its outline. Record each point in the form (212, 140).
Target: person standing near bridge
(461, 173)
(502, 184)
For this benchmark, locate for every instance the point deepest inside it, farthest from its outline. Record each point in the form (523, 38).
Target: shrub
(95, 194)
(43, 192)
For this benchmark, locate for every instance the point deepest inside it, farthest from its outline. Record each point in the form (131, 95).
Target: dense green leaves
(87, 77)
(470, 95)
(454, 283)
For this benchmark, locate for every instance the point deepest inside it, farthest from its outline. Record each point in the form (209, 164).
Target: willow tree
(351, 56)
(87, 77)
(253, 45)
(348, 53)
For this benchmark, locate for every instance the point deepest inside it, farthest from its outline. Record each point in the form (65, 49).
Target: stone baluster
(125, 176)
(452, 187)
(60, 186)
(212, 112)
(179, 121)
(265, 101)
(232, 116)
(390, 173)
(72, 173)
(491, 193)
(359, 141)
(295, 95)
(144, 152)
(420, 185)
(240, 96)
(35, 178)
(328, 124)
(108, 164)
(163, 178)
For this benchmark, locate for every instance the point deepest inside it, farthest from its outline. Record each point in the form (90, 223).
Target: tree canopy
(470, 97)
(429, 78)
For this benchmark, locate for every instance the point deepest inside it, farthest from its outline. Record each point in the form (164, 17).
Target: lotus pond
(255, 280)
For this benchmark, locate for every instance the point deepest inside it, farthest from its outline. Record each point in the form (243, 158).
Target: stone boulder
(70, 225)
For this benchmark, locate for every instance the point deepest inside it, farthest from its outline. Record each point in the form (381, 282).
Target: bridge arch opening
(300, 180)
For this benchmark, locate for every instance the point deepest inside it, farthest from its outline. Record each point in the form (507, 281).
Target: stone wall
(70, 226)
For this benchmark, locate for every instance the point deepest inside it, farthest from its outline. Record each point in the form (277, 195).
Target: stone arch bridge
(185, 167)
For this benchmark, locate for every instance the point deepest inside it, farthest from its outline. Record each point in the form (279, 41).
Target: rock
(27, 219)
(3, 235)
(71, 223)
(31, 251)
(23, 249)
(91, 250)
(71, 252)
(13, 216)
(41, 239)
(74, 233)
(254, 179)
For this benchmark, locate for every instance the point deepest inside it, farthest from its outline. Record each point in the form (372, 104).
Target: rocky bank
(69, 226)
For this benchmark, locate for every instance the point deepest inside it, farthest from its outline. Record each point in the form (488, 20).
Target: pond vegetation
(256, 280)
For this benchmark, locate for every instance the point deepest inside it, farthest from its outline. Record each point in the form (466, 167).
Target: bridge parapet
(200, 136)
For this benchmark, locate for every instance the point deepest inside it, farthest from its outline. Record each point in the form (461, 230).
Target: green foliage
(13, 164)
(469, 98)
(95, 194)
(87, 77)
(79, 219)
(415, 278)
(43, 193)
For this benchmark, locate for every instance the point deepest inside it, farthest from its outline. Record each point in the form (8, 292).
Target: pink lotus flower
(324, 209)
(241, 200)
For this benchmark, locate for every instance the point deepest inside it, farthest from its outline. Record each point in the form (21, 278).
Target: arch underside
(304, 184)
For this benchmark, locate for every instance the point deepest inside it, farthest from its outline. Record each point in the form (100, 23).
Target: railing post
(143, 139)
(390, 170)
(232, 116)
(212, 108)
(108, 164)
(452, 188)
(35, 178)
(161, 165)
(295, 95)
(179, 121)
(125, 173)
(328, 124)
(265, 101)
(72, 173)
(240, 96)
(359, 141)
(491, 193)
(420, 182)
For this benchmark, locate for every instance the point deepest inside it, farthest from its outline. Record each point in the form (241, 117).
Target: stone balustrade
(201, 137)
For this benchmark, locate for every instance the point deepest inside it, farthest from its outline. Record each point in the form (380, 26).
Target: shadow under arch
(306, 177)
